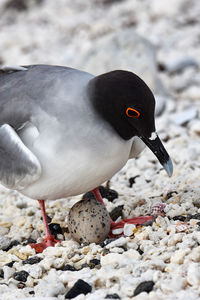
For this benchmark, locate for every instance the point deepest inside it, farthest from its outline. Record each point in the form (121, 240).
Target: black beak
(158, 149)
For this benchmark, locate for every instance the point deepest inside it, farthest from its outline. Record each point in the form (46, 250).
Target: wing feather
(19, 167)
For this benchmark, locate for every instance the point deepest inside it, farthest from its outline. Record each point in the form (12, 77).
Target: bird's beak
(156, 146)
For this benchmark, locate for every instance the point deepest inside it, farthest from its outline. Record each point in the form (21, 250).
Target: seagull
(64, 132)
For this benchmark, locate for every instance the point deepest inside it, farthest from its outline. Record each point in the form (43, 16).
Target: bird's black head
(126, 102)
(128, 105)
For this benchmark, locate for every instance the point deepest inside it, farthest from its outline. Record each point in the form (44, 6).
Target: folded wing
(19, 167)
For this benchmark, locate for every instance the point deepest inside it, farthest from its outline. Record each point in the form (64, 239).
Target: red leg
(98, 195)
(117, 225)
(49, 240)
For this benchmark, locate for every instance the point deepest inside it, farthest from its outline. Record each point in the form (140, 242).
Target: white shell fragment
(128, 229)
(181, 227)
(89, 221)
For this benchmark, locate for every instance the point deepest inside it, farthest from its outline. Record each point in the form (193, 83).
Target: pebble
(119, 242)
(195, 254)
(55, 229)
(145, 286)
(112, 296)
(40, 298)
(5, 242)
(80, 287)
(21, 285)
(116, 212)
(181, 227)
(115, 260)
(179, 65)
(183, 117)
(175, 285)
(129, 229)
(69, 268)
(32, 260)
(179, 255)
(94, 262)
(89, 221)
(50, 285)
(3, 231)
(193, 274)
(132, 180)
(1, 273)
(108, 193)
(105, 193)
(8, 272)
(35, 272)
(21, 276)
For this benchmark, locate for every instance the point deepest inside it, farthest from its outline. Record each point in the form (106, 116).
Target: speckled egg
(89, 221)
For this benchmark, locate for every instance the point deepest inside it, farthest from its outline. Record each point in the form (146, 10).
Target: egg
(89, 221)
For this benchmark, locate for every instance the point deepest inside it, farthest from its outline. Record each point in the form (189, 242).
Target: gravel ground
(158, 261)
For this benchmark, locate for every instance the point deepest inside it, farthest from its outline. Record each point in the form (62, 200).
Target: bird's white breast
(73, 162)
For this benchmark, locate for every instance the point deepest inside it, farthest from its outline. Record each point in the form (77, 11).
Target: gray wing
(18, 165)
(28, 91)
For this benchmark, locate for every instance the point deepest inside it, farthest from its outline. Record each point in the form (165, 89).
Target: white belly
(73, 167)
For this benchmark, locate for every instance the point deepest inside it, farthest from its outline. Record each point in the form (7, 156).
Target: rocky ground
(159, 40)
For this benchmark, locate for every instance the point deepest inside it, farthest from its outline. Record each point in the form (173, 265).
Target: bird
(64, 132)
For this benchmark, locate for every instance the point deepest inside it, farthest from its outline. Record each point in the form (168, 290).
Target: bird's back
(23, 92)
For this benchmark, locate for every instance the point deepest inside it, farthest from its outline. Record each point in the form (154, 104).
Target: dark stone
(21, 276)
(105, 193)
(1, 273)
(88, 195)
(19, 5)
(12, 244)
(85, 265)
(48, 219)
(162, 67)
(21, 285)
(132, 180)
(140, 251)
(95, 261)
(112, 296)
(196, 216)
(32, 293)
(179, 218)
(10, 264)
(80, 287)
(107, 241)
(29, 241)
(170, 194)
(108, 193)
(116, 212)
(109, 2)
(55, 229)
(145, 286)
(68, 268)
(32, 260)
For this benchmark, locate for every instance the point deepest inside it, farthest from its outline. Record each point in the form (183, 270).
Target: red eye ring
(129, 109)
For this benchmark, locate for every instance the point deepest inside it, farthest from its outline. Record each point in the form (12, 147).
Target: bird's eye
(132, 113)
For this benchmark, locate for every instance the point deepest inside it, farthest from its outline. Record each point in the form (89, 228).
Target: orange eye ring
(132, 110)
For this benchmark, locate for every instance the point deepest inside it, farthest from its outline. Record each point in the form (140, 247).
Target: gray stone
(4, 242)
(183, 117)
